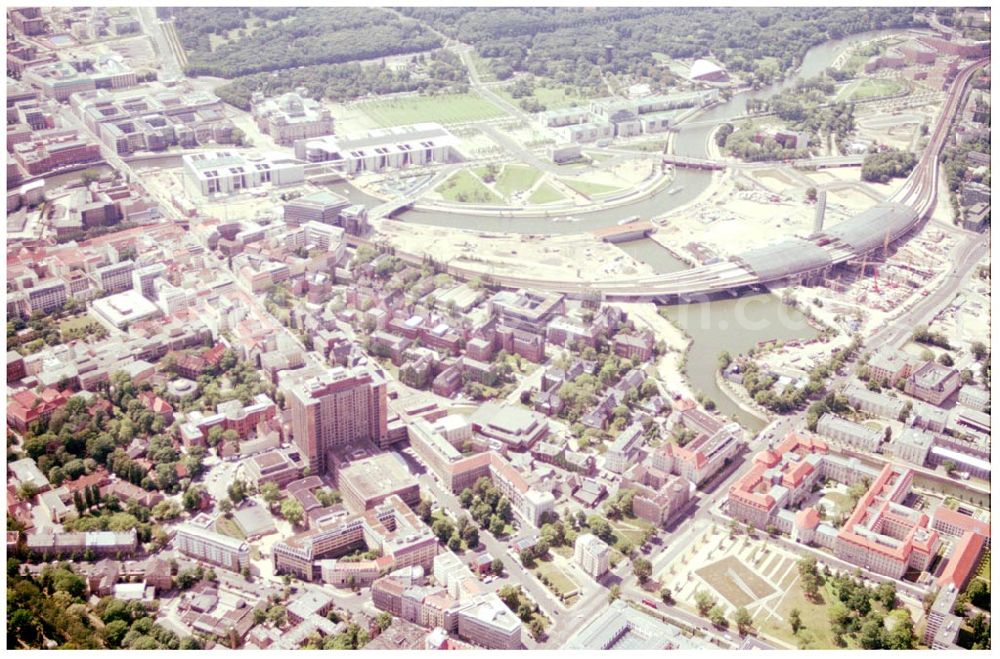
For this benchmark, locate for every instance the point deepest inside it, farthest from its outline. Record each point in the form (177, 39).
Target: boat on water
(628, 220)
(675, 190)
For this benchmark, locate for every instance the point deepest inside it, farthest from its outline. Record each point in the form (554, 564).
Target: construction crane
(876, 281)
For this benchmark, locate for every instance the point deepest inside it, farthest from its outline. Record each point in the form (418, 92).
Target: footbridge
(692, 163)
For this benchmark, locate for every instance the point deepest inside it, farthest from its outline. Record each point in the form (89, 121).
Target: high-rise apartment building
(335, 408)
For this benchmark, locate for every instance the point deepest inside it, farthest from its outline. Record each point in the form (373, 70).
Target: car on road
(650, 603)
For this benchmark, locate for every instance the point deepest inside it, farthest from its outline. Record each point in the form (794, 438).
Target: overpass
(792, 259)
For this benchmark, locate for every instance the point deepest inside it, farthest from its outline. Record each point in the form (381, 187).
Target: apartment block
(620, 454)
(592, 554)
(197, 540)
(487, 622)
(335, 408)
(848, 432)
(228, 172)
(879, 404)
(391, 528)
(933, 382)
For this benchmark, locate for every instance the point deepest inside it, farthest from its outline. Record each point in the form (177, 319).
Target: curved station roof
(867, 230)
(788, 257)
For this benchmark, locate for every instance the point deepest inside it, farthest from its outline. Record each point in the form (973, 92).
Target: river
(734, 325)
(687, 185)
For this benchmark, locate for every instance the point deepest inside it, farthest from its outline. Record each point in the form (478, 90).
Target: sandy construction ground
(580, 257)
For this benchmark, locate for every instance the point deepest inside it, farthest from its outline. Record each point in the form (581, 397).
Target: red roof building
(26, 407)
(963, 560)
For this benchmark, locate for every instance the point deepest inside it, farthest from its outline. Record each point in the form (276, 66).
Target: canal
(732, 325)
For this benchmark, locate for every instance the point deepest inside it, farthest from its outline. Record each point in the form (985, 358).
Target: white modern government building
(227, 172)
(385, 148)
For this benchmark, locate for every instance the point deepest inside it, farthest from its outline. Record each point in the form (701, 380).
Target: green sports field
(443, 108)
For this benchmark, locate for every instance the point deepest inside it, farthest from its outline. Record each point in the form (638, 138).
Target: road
(465, 52)
(965, 257)
(516, 574)
(170, 68)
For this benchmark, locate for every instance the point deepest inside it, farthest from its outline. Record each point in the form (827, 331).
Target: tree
(614, 593)
(900, 636)
(795, 621)
(277, 615)
(455, 542)
(642, 569)
(743, 620)
(979, 594)
(886, 594)
(270, 492)
(291, 510)
(870, 635)
(666, 596)
(383, 620)
(496, 567)
(704, 602)
(949, 466)
(811, 194)
(537, 628)
(443, 529)
(226, 506)
(717, 615)
(424, 511)
(809, 574)
(471, 536)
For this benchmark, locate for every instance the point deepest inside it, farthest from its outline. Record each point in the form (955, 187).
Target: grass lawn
(630, 528)
(652, 146)
(229, 527)
(815, 632)
(463, 187)
(842, 501)
(80, 326)
(559, 583)
(443, 108)
(599, 157)
(984, 567)
(517, 178)
(545, 194)
(551, 98)
(868, 88)
(588, 189)
(563, 550)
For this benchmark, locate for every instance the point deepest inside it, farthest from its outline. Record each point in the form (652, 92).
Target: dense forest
(579, 45)
(52, 607)
(884, 165)
(277, 38)
(439, 71)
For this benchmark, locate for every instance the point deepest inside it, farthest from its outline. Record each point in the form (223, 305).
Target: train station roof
(788, 257)
(867, 230)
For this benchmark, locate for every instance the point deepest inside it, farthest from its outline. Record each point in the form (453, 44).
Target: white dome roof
(703, 67)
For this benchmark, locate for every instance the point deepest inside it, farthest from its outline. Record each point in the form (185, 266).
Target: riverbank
(740, 398)
(670, 367)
